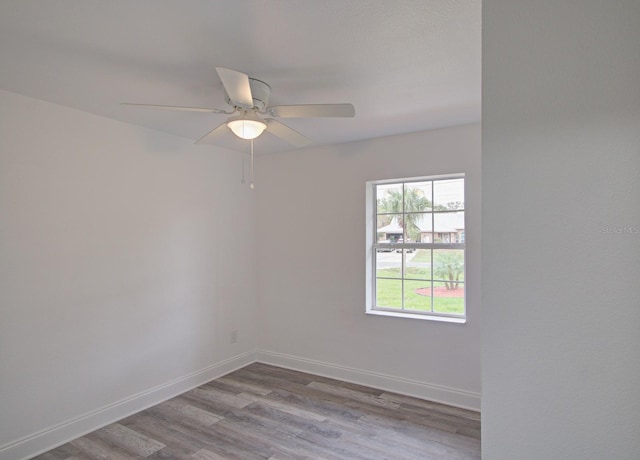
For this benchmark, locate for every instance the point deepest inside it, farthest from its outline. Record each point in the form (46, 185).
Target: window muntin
(417, 249)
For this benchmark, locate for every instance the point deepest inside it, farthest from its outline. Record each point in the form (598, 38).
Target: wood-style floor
(266, 412)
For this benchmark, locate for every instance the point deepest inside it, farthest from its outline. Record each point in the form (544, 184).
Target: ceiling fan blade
(286, 134)
(312, 111)
(214, 134)
(174, 107)
(237, 86)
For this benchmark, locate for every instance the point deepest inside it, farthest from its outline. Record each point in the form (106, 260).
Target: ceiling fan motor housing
(260, 93)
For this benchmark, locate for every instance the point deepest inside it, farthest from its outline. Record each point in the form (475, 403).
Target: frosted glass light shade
(246, 128)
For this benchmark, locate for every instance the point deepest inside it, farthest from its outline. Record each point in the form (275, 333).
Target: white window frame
(372, 245)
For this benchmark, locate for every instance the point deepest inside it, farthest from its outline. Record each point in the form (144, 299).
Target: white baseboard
(437, 393)
(66, 431)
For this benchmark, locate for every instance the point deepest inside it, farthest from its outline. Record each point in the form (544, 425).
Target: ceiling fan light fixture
(246, 128)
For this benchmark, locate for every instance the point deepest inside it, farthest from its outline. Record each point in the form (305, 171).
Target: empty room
(279, 229)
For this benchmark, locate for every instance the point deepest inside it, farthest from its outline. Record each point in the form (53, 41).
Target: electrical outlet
(233, 337)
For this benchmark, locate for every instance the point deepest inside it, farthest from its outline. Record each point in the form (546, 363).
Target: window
(416, 248)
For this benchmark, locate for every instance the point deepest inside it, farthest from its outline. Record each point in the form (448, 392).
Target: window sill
(443, 319)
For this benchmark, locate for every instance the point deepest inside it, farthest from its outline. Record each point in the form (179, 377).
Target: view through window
(417, 251)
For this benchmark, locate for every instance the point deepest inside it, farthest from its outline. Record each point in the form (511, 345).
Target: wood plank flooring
(266, 412)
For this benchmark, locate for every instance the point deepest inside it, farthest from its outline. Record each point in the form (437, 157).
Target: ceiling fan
(251, 114)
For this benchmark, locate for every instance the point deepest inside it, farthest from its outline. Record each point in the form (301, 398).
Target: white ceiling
(406, 65)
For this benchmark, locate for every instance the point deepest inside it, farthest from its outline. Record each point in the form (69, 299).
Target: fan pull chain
(242, 179)
(252, 176)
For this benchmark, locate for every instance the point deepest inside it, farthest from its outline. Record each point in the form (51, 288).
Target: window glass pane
(388, 263)
(417, 196)
(448, 194)
(448, 227)
(447, 300)
(389, 293)
(448, 266)
(389, 197)
(417, 264)
(417, 295)
(389, 228)
(415, 225)
(419, 227)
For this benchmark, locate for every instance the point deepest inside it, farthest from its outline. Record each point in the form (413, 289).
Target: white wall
(311, 260)
(126, 259)
(127, 256)
(560, 266)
